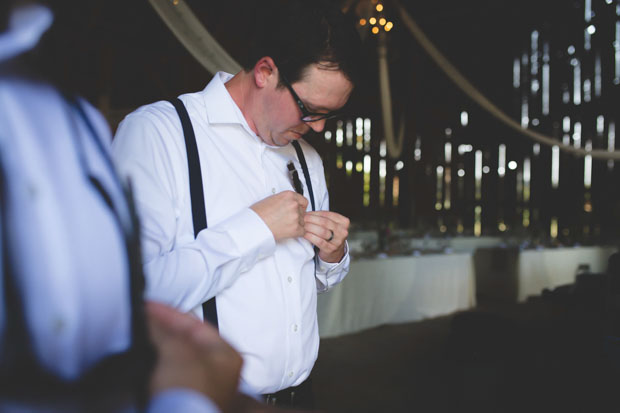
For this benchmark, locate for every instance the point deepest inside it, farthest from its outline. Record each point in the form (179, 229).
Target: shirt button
(273, 191)
(295, 327)
(290, 279)
(290, 374)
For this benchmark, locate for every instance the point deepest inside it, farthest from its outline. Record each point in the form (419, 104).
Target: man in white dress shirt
(257, 255)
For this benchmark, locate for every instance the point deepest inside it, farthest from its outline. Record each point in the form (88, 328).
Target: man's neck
(240, 90)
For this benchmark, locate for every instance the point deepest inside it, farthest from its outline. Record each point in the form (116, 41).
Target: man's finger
(334, 216)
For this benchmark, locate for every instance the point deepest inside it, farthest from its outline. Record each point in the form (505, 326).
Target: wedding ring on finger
(331, 237)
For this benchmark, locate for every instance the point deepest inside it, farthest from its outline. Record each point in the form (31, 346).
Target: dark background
(131, 58)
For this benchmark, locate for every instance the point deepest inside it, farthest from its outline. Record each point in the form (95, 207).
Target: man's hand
(328, 231)
(192, 355)
(283, 213)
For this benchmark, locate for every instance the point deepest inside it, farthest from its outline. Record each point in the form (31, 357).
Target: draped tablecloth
(550, 268)
(397, 290)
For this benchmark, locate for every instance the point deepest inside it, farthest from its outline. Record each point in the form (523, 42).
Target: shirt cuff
(329, 267)
(251, 236)
(181, 400)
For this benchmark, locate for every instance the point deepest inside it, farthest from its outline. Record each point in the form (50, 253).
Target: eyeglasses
(306, 115)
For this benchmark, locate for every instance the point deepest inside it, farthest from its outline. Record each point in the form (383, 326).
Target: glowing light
(478, 221)
(478, 174)
(395, 190)
(359, 167)
(382, 149)
(399, 165)
(417, 152)
(461, 173)
(591, 29)
(339, 134)
(375, 30)
(367, 163)
(486, 169)
(576, 82)
(464, 118)
(382, 21)
(545, 80)
(379, 7)
(439, 189)
(516, 73)
(555, 166)
(566, 124)
(527, 179)
(363, 22)
(372, 21)
(553, 231)
(448, 152)
(587, 90)
(577, 134)
(525, 120)
(349, 133)
(571, 50)
(349, 167)
(587, 166)
(382, 173)
(463, 149)
(502, 226)
(501, 161)
(512, 165)
(600, 125)
(328, 136)
(389, 26)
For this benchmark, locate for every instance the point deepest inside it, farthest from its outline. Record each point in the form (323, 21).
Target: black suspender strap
(199, 215)
(304, 167)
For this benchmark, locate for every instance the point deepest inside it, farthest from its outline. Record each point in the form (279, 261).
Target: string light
(382, 21)
(379, 7)
(388, 26)
(372, 21)
(375, 30)
(362, 22)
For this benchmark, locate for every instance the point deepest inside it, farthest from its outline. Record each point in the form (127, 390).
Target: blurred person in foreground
(75, 333)
(271, 242)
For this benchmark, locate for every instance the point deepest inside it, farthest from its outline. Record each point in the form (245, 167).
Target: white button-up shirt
(266, 291)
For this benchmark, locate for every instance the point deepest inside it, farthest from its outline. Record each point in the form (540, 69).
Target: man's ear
(265, 72)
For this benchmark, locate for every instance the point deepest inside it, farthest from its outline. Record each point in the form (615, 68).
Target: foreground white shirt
(70, 257)
(266, 291)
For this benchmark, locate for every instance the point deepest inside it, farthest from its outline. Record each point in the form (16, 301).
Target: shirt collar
(220, 106)
(26, 25)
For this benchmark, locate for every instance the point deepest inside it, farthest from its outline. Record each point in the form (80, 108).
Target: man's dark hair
(297, 33)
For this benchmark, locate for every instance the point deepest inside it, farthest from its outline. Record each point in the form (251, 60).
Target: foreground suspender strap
(199, 215)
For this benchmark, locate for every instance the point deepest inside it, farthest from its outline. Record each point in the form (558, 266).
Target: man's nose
(318, 125)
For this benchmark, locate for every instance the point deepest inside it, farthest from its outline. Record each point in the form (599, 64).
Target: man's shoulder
(160, 112)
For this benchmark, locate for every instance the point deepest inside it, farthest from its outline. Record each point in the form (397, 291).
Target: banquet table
(397, 290)
(550, 268)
